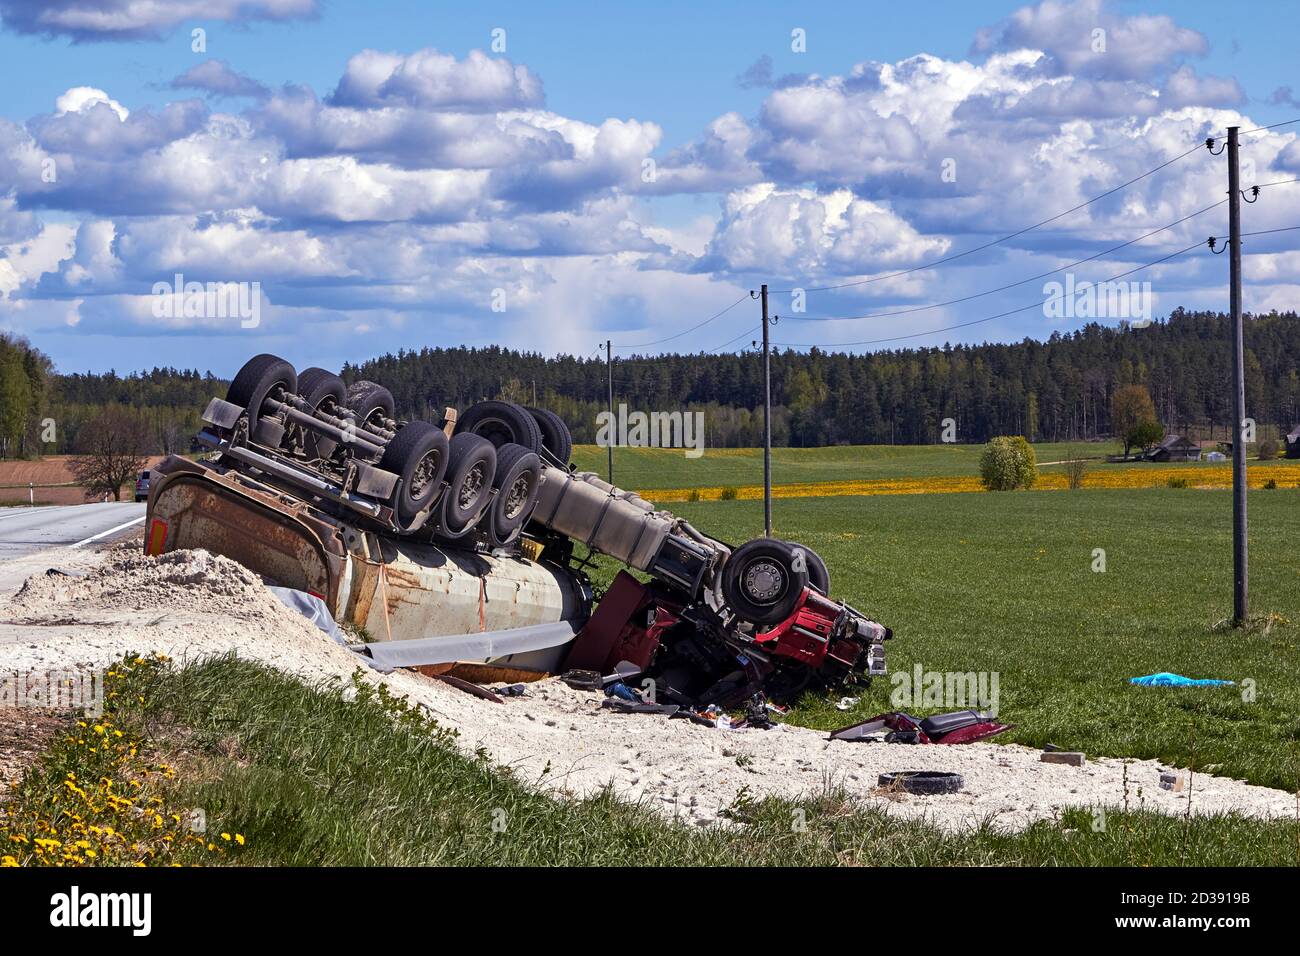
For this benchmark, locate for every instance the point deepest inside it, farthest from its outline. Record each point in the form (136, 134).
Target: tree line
(1055, 390)
(43, 412)
(1060, 389)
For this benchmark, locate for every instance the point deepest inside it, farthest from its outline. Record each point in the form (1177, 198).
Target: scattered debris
(1165, 679)
(846, 703)
(468, 687)
(1172, 781)
(958, 727)
(66, 572)
(922, 782)
(1072, 758)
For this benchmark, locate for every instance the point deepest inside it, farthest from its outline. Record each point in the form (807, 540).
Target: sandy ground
(190, 605)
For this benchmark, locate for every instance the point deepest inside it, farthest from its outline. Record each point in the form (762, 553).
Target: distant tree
(1008, 462)
(1131, 407)
(15, 399)
(1145, 435)
(111, 450)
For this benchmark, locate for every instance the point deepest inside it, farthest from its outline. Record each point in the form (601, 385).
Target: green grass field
(664, 468)
(1003, 582)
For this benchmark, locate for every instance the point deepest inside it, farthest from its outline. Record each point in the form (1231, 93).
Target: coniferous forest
(1055, 390)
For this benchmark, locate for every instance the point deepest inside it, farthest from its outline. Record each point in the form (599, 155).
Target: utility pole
(1240, 568)
(609, 368)
(767, 422)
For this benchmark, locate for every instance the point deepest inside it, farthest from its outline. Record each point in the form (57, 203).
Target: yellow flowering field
(1150, 476)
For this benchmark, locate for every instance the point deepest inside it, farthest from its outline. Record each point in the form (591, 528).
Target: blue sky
(390, 180)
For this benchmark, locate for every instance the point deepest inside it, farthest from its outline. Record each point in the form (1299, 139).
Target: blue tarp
(1165, 679)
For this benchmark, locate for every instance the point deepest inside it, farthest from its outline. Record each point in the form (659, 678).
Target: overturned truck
(458, 543)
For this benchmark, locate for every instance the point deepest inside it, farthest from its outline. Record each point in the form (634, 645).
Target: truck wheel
(501, 422)
(262, 377)
(760, 582)
(322, 391)
(370, 402)
(419, 455)
(518, 483)
(473, 463)
(556, 437)
(818, 575)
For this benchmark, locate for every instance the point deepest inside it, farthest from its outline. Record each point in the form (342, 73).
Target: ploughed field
(1004, 583)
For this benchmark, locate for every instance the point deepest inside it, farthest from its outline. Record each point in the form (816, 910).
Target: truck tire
(556, 437)
(818, 574)
(501, 422)
(263, 376)
(321, 390)
(419, 456)
(369, 401)
(518, 482)
(760, 582)
(472, 465)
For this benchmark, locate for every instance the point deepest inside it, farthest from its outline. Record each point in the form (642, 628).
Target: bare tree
(110, 451)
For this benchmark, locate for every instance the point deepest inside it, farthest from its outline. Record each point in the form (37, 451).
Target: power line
(1260, 129)
(1024, 308)
(994, 242)
(740, 336)
(1002, 288)
(693, 328)
(1267, 232)
(1280, 182)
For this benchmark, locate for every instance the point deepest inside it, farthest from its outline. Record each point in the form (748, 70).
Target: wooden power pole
(1240, 568)
(767, 421)
(609, 370)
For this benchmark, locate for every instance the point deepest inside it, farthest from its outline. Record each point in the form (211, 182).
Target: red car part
(960, 727)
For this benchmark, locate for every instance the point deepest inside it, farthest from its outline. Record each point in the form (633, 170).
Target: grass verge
(335, 775)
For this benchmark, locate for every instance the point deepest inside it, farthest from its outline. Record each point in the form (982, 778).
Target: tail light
(157, 537)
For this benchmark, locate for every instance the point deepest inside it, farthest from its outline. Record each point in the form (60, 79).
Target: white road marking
(104, 534)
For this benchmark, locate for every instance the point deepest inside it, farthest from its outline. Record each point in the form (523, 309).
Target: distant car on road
(142, 487)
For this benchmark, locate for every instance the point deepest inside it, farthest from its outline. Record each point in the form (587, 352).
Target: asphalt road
(25, 531)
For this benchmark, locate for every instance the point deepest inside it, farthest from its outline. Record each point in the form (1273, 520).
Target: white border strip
(105, 534)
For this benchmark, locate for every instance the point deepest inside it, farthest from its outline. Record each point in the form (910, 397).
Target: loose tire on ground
(322, 390)
(760, 582)
(501, 422)
(556, 437)
(518, 482)
(927, 782)
(472, 466)
(263, 376)
(419, 455)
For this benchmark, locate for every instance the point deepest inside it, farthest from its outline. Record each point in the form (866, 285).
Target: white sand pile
(190, 605)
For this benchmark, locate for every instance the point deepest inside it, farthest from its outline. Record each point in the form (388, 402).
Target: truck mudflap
(196, 507)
